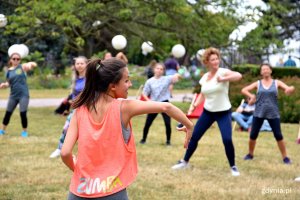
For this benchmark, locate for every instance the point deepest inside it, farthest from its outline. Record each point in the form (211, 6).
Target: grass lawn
(27, 172)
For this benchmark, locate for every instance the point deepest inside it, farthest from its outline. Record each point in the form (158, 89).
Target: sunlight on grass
(27, 172)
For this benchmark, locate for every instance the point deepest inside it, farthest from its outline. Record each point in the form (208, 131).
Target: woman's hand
(187, 136)
(289, 90)
(252, 99)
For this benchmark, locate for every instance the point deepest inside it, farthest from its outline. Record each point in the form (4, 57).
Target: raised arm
(287, 89)
(246, 91)
(28, 66)
(230, 76)
(131, 108)
(71, 138)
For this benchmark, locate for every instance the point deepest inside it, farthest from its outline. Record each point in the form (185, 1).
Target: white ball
(20, 49)
(178, 50)
(200, 53)
(3, 20)
(15, 48)
(25, 50)
(147, 47)
(119, 42)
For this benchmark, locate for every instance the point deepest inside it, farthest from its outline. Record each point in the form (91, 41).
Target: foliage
(280, 21)
(70, 26)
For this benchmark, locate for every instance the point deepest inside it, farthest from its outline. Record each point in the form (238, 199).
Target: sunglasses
(17, 59)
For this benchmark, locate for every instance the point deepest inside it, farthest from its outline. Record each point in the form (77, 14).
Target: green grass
(27, 172)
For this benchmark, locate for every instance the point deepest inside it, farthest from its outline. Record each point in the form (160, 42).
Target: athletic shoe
(297, 179)
(234, 171)
(168, 143)
(55, 153)
(24, 134)
(181, 164)
(2, 132)
(142, 141)
(248, 157)
(287, 161)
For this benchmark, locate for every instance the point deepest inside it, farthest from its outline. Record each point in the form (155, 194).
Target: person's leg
(257, 122)
(11, 105)
(61, 141)
(204, 122)
(275, 125)
(240, 119)
(24, 101)
(150, 118)
(224, 122)
(167, 121)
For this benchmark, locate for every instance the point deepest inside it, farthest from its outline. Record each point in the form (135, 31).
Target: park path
(53, 102)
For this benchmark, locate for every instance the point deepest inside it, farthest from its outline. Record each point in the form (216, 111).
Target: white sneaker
(181, 165)
(234, 171)
(55, 153)
(297, 179)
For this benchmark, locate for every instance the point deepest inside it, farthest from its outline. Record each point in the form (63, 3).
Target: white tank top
(215, 93)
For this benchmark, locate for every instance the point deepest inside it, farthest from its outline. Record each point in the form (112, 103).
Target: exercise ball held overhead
(119, 42)
(178, 50)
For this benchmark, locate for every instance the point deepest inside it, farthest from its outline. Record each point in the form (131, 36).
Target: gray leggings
(12, 104)
(121, 195)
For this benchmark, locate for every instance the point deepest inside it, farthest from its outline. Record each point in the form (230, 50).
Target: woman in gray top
(266, 107)
(19, 94)
(157, 89)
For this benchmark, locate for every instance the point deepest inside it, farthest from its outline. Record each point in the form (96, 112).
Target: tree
(87, 26)
(279, 22)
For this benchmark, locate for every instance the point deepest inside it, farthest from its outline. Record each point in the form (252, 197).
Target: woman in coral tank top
(106, 159)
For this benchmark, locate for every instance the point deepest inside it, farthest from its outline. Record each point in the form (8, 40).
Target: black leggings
(150, 119)
(23, 116)
(274, 123)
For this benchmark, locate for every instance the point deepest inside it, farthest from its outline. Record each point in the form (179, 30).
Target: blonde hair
(208, 52)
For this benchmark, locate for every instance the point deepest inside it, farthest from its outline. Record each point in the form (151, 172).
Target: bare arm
(4, 85)
(28, 66)
(131, 108)
(230, 76)
(71, 138)
(287, 89)
(195, 103)
(176, 77)
(246, 91)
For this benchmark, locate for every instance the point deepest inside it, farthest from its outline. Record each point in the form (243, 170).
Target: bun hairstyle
(99, 75)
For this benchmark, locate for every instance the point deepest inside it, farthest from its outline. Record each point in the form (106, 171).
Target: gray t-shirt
(17, 81)
(158, 88)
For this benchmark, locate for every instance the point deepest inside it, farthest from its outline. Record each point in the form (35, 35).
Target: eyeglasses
(17, 59)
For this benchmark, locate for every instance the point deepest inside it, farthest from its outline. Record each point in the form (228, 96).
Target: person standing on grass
(266, 107)
(157, 89)
(106, 162)
(217, 107)
(16, 79)
(78, 82)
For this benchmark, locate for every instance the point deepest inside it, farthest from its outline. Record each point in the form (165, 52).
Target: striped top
(266, 105)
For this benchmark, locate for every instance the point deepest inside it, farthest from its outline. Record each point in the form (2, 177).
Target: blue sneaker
(248, 157)
(287, 161)
(2, 132)
(24, 134)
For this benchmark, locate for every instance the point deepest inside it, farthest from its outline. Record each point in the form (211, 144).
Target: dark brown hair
(99, 74)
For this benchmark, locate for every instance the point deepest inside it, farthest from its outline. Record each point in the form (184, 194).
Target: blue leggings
(274, 123)
(207, 118)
